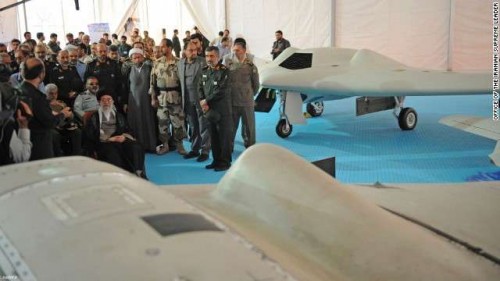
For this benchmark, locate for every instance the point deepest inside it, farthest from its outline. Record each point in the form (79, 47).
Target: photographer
(15, 145)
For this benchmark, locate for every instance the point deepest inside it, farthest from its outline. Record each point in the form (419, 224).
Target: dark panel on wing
(298, 61)
(170, 224)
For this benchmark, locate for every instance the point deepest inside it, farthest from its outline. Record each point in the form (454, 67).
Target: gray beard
(106, 112)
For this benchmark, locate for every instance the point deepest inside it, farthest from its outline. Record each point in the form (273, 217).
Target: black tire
(283, 128)
(315, 109)
(407, 119)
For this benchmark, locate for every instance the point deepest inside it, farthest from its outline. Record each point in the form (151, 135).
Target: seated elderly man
(107, 134)
(66, 136)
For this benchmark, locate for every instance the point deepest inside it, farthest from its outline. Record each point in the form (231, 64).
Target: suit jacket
(42, 123)
(199, 64)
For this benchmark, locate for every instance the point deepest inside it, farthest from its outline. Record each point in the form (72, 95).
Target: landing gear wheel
(407, 119)
(315, 109)
(283, 128)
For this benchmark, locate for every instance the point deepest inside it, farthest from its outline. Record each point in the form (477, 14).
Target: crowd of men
(116, 101)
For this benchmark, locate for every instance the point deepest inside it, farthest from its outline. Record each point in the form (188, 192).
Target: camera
(9, 103)
(26, 100)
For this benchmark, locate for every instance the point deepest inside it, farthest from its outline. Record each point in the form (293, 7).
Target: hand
(154, 103)
(72, 94)
(120, 139)
(204, 105)
(67, 112)
(26, 109)
(125, 108)
(21, 120)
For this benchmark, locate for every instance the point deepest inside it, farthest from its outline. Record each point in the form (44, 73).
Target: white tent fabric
(156, 15)
(412, 32)
(434, 34)
(8, 22)
(472, 31)
(123, 24)
(209, 15)
(305, 24)
(109, 12)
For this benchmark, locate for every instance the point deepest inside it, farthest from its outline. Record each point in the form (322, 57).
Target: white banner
(97, 29)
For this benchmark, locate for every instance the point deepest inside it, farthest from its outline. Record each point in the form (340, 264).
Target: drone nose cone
(272, 77)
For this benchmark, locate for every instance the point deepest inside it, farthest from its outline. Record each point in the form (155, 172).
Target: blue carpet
(368, 148)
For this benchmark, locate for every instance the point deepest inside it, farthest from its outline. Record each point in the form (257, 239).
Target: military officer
(243, 85)
(165, 92)
(215, 102)
(66, 78)
(108, 73)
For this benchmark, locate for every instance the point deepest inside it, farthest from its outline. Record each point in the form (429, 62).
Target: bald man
(66, 78)
(108, 73)
(33, 72)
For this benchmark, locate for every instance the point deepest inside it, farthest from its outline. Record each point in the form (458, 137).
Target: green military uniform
(243, 85)
(213, 88)
(165, 83)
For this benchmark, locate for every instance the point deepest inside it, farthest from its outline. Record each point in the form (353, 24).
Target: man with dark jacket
(66, 78)
(215, 102)
(279, 45)
(33, 73)
(108, 73)
(177, 43)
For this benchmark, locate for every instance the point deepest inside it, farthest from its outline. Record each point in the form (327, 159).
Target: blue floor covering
(369, 148)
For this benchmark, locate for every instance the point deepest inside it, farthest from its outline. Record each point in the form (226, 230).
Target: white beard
(106, 112)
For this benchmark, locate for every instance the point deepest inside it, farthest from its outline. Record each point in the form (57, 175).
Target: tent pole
(146, 22)
(25, 17)
(93, 6)
(332, 24)
(63, 22)
(449, 59)
(181, 18)
(226, 26)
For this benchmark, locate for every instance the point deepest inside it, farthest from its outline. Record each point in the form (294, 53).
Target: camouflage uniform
(165, 84)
